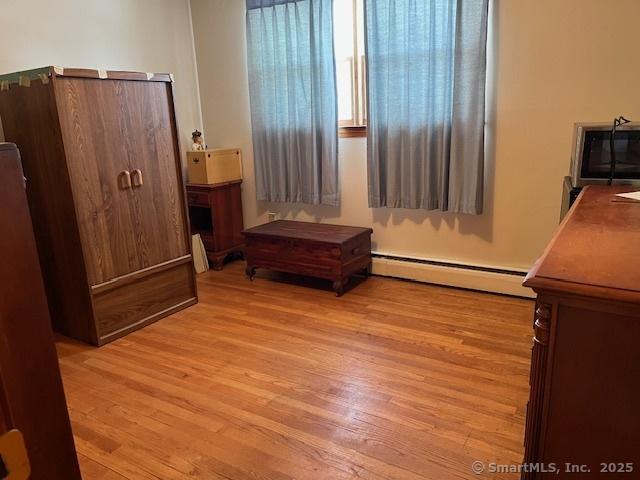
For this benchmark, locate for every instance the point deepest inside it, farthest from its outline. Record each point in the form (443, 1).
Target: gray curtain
(292, 88)
(426, 70)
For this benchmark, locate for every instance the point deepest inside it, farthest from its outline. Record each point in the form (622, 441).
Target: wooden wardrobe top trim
(53, 71)
(112, 74)
(596, 250)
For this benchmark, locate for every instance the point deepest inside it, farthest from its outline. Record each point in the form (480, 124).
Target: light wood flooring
(279, 379)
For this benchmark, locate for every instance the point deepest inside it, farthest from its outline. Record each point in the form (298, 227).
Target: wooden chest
(334, 252)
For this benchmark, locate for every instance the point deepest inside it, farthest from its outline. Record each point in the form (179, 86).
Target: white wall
(554, 63)
(141, 35)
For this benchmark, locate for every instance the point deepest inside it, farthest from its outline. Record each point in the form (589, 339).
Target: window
(350, 66)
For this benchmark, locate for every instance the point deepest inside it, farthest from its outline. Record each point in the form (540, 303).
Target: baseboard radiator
(473, 277)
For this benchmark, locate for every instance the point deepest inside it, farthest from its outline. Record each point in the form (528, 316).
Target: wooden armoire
(101, 157)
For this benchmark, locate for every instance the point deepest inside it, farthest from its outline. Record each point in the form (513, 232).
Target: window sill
(352, 131)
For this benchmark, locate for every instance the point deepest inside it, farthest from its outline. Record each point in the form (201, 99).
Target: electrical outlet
(272, 216)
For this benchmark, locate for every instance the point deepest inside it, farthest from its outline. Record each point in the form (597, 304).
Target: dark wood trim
(352, 131)
(537, 381)
(138, 274)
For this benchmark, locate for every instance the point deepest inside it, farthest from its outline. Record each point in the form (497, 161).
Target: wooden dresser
(104, 179)
(334, 252)
(585, 366)
(215, 212)
(31, 395)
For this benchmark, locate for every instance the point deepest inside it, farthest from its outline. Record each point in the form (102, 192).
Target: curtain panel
(292, 87)
(426, 71)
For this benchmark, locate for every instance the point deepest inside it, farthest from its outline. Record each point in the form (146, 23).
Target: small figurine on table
(198, 141)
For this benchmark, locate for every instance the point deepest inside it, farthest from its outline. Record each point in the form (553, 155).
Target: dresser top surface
(320, 232)
(596, 250)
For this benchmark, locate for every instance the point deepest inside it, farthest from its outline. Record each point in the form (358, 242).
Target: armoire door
(120, 146)
(97, 146)
(158, 195)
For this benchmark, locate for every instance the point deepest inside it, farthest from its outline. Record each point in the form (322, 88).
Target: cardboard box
(214, 166)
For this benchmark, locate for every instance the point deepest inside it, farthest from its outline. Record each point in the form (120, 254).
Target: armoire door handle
(125, 179)
(136, 177)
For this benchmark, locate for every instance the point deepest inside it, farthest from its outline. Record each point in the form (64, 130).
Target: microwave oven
(591, 154)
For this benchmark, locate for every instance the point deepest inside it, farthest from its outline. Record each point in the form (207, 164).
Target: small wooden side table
(215, 212)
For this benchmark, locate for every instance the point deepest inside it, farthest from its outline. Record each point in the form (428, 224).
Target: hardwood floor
(277, 380)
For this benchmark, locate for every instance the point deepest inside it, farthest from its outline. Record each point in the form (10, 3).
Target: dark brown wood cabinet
(585, 365)
(101, 155)
(31, 396)
(215, 212)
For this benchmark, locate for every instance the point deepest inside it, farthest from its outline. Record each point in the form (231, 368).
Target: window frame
(357, 126)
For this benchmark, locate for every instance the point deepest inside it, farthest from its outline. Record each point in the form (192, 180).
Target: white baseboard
(474, 277)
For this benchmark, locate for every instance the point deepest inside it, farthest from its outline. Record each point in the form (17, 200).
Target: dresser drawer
(133, 305)
(198, 199)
